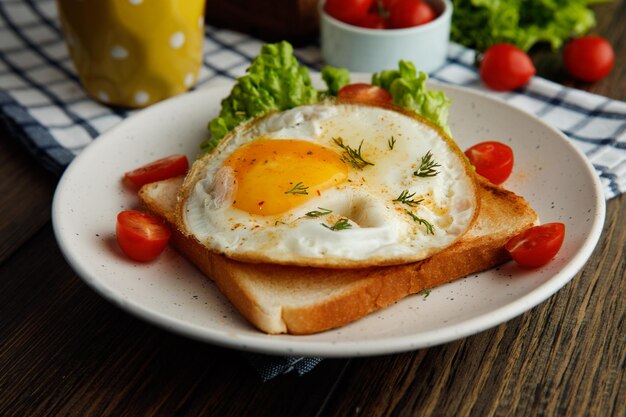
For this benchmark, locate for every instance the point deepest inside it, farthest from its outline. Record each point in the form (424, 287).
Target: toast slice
(301, 300)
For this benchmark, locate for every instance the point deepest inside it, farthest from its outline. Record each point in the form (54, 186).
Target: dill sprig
(427, 166)
(406, 198)
(299, 188)
(317, 213)
(341, 224)
(352, 156)
(391, 142)
(427, 225)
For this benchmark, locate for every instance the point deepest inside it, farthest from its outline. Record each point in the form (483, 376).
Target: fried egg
(332, 185)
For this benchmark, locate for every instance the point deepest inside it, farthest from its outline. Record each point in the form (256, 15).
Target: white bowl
(371, 50)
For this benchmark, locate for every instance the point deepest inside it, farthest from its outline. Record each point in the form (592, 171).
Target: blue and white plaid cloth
(44, 106)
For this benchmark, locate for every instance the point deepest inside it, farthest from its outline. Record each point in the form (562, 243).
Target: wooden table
(65, 351)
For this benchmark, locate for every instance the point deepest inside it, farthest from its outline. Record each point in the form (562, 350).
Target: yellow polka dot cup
(133, 53)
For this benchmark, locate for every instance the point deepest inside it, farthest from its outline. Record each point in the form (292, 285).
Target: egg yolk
(274, 176)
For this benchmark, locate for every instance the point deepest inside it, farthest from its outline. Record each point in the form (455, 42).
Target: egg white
(381, 233)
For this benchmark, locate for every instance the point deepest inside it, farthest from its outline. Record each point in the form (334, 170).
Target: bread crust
(348, 294)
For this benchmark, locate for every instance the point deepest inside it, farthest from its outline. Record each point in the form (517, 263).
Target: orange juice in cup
(133, 53)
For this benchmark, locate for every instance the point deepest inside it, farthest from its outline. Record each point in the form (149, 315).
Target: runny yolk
(274, 176)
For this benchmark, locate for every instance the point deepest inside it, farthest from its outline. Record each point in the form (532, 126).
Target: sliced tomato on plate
(493, 160)
(365, 93)
(142, 236)
(161, 169)
(536, 246)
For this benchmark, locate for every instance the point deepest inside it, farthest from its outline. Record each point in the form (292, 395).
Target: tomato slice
(141, 236)
(536, 246)
(168, 167)
(365, 93)
(493, 160)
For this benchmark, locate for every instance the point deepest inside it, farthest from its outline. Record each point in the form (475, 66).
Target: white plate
(553, 175)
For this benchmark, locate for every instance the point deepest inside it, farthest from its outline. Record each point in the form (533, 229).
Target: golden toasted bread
(304, 300)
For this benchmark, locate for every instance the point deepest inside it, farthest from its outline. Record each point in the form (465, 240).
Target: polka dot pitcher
(133, 53)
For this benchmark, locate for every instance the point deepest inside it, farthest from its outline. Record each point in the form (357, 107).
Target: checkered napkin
(45, 108)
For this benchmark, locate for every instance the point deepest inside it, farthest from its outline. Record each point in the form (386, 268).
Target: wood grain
(65, 351)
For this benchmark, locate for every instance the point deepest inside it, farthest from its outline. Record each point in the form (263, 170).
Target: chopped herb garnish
(429, 227)
(341, 224)
(352, 156)
(427, 166)
(391, 142)
(299, 188)
(315, 213)
(425, 293)
(406, 198)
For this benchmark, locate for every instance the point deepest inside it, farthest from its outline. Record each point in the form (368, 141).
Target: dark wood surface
(65, 351)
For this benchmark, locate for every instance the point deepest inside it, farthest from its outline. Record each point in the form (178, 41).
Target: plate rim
(282, 344)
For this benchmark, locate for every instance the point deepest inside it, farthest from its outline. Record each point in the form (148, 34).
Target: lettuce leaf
(335, 78)
(479, 24)
(408, 89)
(274, 81)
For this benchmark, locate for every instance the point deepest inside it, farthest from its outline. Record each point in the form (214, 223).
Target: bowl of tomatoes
(372, 35)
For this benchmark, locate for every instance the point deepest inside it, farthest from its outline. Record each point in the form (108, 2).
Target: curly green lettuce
(479, 24)
(408, 89)
(335, 78)
(274, 81)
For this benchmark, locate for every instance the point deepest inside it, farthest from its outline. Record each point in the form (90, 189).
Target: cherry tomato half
(348, 11)
(505, 67)
(409, 13)
(493, 160)
(536, 246)
(142, 236)
(365, 93)
(589, 58)
(171, 166)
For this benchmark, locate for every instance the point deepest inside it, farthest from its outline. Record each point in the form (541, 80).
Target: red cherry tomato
(141, 236)
(348, 11)
(492, 160)
(589, 58)
(365, 93)
(505, 67)
(372, 21)
(409, 13)
(536, 246)
(171, 166)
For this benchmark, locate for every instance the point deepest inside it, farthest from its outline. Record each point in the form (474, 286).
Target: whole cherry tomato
(171, 166)
(372, 21)
(536, 246)
(141, 236)
(589, 58)
(409, 13)
(365, 93)
(493, 160)
(348, 11)
(505, 67)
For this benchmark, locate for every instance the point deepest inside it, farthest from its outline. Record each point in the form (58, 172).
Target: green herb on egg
(427, 166)
(299, 188)
(429, 227)
(341, 224)
(406, 198)
(352, 156)
(318, 213)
